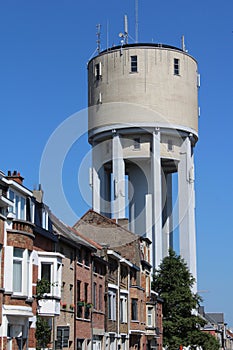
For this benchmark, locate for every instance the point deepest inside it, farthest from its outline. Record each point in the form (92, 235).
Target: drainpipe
(75, 296)
(92, 301)
(118, 304)
(54, 327)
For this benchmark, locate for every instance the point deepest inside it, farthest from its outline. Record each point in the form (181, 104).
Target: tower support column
(157, 200)
(118, 169)
(95, 180)
(167, 214)
(187, 207)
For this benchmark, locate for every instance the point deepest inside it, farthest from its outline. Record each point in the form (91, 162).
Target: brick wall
(19, 240)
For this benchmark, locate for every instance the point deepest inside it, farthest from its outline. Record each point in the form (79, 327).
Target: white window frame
(26, 278)
(55, 260)
(45, 219)
(112, 304)
(17, 199)
(150, 316)
(123, 308)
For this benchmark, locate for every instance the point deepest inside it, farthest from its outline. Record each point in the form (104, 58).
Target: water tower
(143, 127)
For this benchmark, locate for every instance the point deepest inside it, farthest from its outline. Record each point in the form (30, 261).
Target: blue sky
(44, 50)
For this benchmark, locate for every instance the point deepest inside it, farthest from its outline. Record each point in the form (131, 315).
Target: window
(17, 269)
(176, 66)
(123, 308)
(45, 219)
(86, 258)
(98, 71)
(169, 145)
(136, 143)
(79, 303)
(85, 292)
(80, 344)
(0, 265)
(78, 290)
(79, 256)
(19, 207)
(134, 63)
(100, 297)
(95, 296)
(150, 317)
(134, 310)
(46, 273)
(112, 305)
(112, 342)
(71, 294)
(63, 333)
(50, 269)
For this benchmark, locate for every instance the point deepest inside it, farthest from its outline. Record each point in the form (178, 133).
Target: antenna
(98, 27)
(182, 43)
(136, 21)
(126, 28)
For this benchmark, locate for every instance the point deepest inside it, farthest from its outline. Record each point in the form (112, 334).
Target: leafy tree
(173, 282)
(43, 333)
(43, 329)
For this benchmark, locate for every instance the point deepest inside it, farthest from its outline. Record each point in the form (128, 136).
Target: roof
(214, 317)
(103, 230)
(68, 233)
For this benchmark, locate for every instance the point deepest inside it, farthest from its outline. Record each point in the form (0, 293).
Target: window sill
(83, 319)
(17, 296)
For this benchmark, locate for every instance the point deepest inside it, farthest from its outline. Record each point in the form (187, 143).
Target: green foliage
(174, 283)
(43, 333)
(42, 287)
(205, 340)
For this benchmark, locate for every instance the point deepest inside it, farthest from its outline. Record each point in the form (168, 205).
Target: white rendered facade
(143, 126)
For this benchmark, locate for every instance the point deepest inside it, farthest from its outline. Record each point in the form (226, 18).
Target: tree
(43, 329)
(43, 333)
(181, 326)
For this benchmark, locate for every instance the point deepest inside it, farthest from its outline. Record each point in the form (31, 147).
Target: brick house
(27, 253)
(99, 293)
(82, 296)
(128, 285)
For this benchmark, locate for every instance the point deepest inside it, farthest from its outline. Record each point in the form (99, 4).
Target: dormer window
(19, 207)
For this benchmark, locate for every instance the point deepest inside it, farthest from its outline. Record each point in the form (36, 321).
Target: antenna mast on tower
(136, 21)
(98, 26)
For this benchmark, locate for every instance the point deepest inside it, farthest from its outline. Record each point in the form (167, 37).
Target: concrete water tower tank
(143, 126)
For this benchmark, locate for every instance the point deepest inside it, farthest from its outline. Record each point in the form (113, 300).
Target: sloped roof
(63, 230)
(103, 230)
(215, 317)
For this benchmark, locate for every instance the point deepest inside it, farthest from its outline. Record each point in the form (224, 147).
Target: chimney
(15, 176)
(38, 194)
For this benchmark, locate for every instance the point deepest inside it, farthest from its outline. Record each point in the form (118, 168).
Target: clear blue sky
(44, 49)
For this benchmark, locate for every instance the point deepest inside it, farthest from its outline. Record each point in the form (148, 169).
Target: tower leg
(118, 169)
(157, 201)
(167, 214)
(95, 180)
(187, 207)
